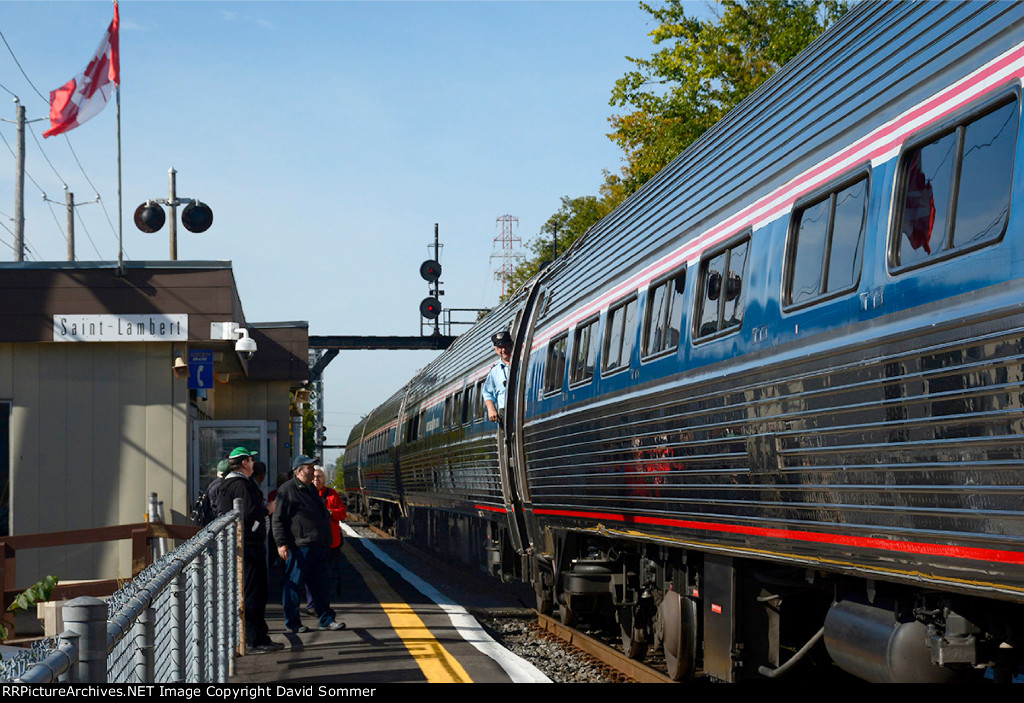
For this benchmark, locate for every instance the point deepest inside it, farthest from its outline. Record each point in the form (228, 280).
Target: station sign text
(120, 328)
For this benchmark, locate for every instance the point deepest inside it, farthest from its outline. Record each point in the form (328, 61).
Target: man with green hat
(239, 484)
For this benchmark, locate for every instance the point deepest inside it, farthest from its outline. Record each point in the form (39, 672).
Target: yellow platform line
(436, 662)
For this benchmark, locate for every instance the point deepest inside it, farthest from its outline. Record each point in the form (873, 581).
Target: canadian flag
(82, 97)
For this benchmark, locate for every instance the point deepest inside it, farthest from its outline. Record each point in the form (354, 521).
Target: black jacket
(254, 508)
(300, 517)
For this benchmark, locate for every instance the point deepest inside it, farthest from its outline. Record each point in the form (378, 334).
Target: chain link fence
(175, 622)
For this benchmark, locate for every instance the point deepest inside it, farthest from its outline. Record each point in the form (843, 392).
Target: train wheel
(679, 618)
(634, 644)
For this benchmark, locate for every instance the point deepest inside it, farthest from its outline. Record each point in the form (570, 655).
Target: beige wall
(256, 400)
(95, 428)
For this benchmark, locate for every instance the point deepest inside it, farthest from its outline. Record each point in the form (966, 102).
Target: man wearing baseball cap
(497, 380)
(302, 530)
(239, 484)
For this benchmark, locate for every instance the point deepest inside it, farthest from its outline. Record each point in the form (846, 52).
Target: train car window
(584, 352)
(827, 243)
(447, 421)
(467, 406)
(663, 319)
(412, 432)
(456, 408)
(481, 407)
(554, 367)
(721, 291)
(619, 336)
(955, 188)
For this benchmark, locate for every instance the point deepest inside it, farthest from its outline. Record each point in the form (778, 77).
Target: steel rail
(641, 673)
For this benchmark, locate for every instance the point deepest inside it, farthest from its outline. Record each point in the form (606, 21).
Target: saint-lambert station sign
(120, 328)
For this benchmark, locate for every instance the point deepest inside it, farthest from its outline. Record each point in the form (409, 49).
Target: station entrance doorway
(213, 440)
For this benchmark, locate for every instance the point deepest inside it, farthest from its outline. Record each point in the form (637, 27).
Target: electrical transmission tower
(506, 251)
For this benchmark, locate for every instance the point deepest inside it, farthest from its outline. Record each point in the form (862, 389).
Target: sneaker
(300, 629)
(266, 648)
(309, 610)
(335, 625)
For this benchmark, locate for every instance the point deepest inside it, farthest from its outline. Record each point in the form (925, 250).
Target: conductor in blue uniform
(497, 379)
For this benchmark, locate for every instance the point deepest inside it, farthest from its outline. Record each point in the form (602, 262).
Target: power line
(10, 91)
(74, 155)
(82, 223)
(47, 158)
(18, 64)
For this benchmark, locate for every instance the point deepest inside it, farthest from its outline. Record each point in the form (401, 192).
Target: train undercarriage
(731, 619)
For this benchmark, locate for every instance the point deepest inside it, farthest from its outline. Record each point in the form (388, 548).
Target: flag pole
(120, 225)
(116, 66)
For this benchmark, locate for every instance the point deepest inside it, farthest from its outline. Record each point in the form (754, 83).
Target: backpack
(202, 512)
(205, 510)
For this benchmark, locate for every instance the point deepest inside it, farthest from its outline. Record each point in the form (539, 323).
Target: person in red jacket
(336, 506)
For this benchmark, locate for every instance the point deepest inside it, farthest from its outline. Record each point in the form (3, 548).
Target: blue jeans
(307, 567)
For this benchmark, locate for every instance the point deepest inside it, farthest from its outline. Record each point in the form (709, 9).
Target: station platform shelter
(119, 383)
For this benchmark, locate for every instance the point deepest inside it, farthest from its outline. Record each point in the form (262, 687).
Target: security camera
(245, 347)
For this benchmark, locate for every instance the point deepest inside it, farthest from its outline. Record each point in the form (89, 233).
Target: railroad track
(629, 669)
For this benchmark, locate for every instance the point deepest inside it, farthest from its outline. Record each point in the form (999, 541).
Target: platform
(399, 629)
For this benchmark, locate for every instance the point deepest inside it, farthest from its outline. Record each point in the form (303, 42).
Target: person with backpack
(239, 484)
(207, 508)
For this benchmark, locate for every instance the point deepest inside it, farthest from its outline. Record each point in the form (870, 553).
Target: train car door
(512, 455)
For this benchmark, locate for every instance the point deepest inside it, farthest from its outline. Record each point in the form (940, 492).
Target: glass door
(213, 440)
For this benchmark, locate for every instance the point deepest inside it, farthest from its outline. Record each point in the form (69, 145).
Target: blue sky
(328, 137)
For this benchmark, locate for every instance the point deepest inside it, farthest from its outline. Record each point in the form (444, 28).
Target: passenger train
(769, 413)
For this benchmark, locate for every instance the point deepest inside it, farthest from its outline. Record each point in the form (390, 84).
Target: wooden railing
(141, 534)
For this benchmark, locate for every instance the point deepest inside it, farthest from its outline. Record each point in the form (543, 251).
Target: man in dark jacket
(302, 530)
(239, 484)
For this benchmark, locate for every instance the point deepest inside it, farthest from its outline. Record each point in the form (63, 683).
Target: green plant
(36, 593)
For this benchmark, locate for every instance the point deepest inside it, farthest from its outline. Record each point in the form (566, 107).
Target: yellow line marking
(436, 662)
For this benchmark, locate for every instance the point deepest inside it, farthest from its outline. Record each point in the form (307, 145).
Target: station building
(115, 384)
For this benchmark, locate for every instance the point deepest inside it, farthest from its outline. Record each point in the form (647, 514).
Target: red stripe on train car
(1002, 556)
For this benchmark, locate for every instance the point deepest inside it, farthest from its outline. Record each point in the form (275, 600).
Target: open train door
(511, 452)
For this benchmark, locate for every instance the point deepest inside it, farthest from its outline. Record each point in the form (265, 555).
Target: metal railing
(177, 621)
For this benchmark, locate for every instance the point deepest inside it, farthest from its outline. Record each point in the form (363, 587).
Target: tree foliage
(338, 479)
(573, 219)
(309, 426)
(703, 69)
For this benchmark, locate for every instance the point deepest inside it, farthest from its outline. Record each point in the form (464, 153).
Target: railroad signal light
(430, 308)
(149, 217)
(197, 217)
(430, 271)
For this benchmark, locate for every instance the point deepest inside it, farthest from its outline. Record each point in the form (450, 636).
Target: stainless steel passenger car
(777, 396)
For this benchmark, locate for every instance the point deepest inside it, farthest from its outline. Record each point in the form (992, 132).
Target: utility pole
(19, 186)
(197, 216)
(70, 199)
(172, 203)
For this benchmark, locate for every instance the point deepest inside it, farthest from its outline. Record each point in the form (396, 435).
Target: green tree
(573, 219)
(704, 68)
(338, 480)
(309, 431)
